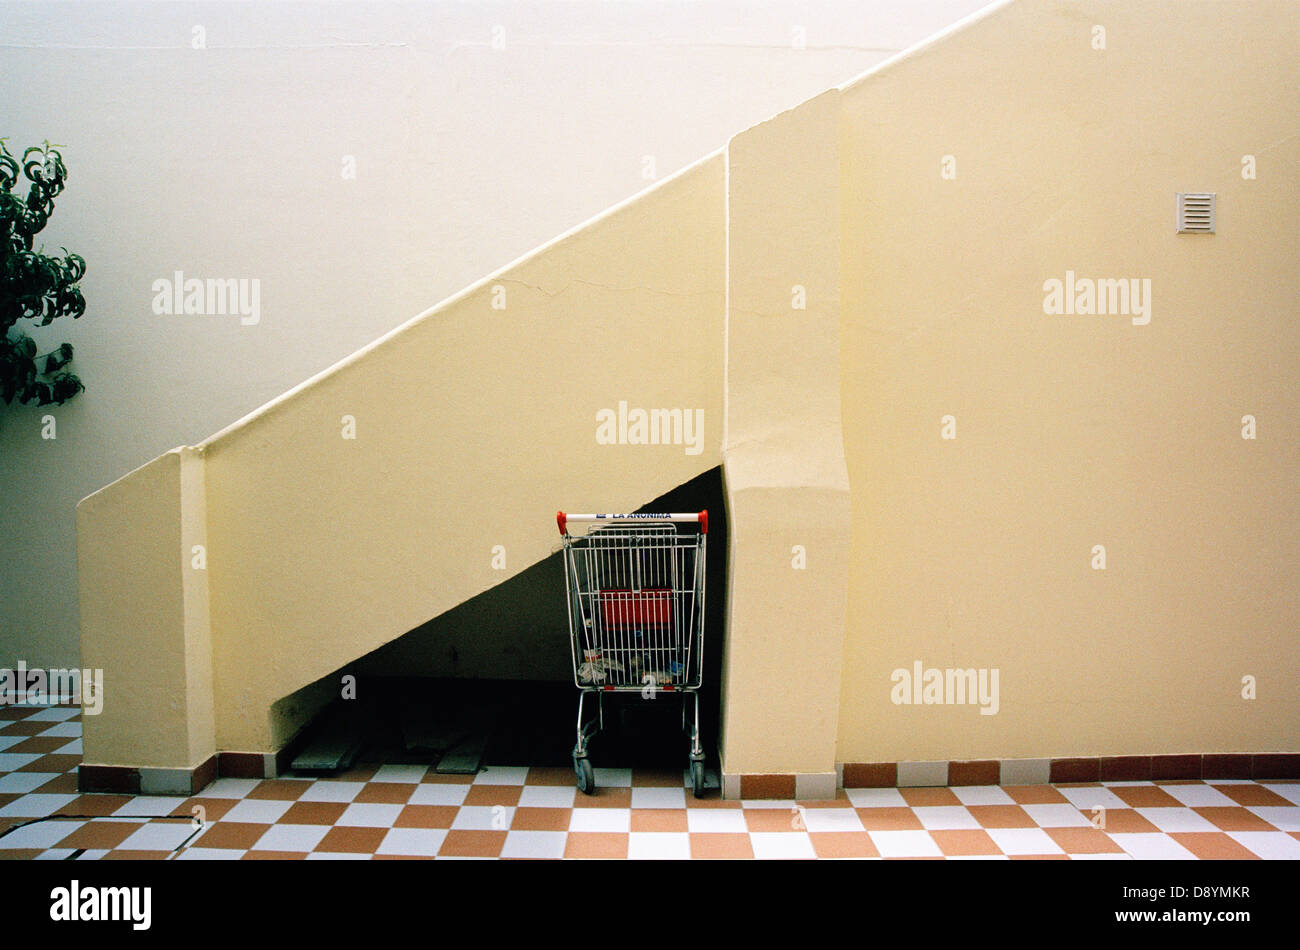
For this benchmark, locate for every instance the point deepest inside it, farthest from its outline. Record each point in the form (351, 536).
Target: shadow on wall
(518, 630)
(514, 631)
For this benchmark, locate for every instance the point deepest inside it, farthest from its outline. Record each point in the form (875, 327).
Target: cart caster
(697, 779)
(586, 776)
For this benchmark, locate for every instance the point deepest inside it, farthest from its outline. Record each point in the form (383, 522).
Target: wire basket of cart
(636, 618)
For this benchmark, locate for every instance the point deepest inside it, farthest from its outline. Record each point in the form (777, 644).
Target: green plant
(33, 285)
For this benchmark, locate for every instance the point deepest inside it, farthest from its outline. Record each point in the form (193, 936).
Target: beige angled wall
(472, 426)
(787, 488)
(144, 616)
(379, 494)
(1082, 430)
(369, 158)
(371, 498)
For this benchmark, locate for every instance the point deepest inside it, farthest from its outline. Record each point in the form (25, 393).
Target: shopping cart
(636, 617)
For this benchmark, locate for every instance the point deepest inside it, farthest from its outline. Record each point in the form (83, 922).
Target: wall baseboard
(782, 786)
(146, 780)
(1118, 768)
(809, 786)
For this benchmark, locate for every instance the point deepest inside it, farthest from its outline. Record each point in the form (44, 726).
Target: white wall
(227, 162)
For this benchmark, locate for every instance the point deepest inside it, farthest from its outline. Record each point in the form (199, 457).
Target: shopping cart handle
(563, 519)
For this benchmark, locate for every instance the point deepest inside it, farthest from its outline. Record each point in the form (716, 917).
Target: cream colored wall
(787, 488)
(362, 160)
(472, 426)
(924, 298)
(1074, 431)
(144, 617)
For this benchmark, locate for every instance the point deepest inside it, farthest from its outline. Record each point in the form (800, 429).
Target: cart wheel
(697, 779)
(586, 776)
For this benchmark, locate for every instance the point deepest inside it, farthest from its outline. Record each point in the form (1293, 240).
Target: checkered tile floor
(403, 811)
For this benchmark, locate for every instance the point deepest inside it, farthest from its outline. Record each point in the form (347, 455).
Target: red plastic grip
(704, 522)
(559, 520)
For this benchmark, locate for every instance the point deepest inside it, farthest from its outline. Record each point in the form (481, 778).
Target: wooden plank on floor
(466, 755)
(336, 746)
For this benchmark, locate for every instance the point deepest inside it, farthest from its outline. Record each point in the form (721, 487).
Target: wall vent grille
(1196, 212)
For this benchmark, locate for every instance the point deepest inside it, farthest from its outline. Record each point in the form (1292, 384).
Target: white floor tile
(20, 783)
(13, 761)
(400, 773)
(501, 775)
(158, 836)
(337, 856)
(7, 741)
(1199, 796)
(1290, 792)
(43, 834)
(257, 810)
(72, 748)
(300, 838)
(210, 854)
(714, 819)
(658, 798)
(1089, 797)
(56, 854)
(601, 819)
(547, 796)
(831, 819)
(1102, 856)
(1024, 841)
(36, 805)
(1176, 819)
(1281, 817)
(875, 798)
(459, 857)
(534, 844)
(1152, 847)
(53, 714)
(1270, 845)
(417, 842)
(659, 845)
(982, 795)
(1056, 816)
(905, 844)
(332, 791)
(438, 793)
(368, 815)
(229, 788)
(149, 805)
(781, 845)
(68, 730)
(484, 818)
(945, 817)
